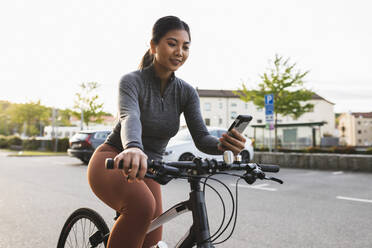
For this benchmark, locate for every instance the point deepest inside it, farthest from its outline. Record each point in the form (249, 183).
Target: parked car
(83, 144)
(182, 148)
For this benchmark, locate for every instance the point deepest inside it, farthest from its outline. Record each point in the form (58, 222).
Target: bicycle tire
(84, 224)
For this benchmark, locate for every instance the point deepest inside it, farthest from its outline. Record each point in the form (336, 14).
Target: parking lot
(311, 209)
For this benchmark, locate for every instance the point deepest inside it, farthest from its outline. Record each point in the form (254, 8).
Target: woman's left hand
(235, 144)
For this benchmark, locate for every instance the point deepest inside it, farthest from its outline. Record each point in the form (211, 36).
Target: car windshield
(183, 135)
(80, 136)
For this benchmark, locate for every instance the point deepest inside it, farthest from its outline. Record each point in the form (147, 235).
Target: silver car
(182, 148)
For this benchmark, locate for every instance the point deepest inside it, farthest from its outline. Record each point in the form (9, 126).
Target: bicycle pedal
(96, 238)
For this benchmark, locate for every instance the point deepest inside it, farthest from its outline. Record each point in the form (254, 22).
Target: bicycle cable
(224, 211)
(236, 213)
(232, 201)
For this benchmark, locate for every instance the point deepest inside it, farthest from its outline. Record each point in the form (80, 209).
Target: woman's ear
(152, 47)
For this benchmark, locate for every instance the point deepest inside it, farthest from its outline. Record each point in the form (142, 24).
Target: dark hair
(161, 27)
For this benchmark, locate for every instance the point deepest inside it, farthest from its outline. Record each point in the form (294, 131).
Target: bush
(14, 141)
(3, 142)
(315, 149)
(62, 145)
(31, 144)
(343, 149)
(369, 150)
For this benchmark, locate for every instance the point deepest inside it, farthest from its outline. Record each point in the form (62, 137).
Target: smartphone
(240, 124)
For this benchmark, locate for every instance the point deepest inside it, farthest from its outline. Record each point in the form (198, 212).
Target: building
(220, 107)
(68, 131)
(355, 129)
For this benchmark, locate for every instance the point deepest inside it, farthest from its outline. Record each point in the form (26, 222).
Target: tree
(86, 103)
(287, 87)
(30, 116)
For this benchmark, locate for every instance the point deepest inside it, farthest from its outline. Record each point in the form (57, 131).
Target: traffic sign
(269, 99)
(269, 108)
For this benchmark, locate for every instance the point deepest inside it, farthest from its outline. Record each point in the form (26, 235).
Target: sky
(48, 47)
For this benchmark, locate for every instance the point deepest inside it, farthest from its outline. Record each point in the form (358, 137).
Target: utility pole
(82, 119)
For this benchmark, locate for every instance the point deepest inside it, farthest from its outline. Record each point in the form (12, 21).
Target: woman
(151, 101)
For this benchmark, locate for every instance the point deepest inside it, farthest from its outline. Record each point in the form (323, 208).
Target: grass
(34, 153)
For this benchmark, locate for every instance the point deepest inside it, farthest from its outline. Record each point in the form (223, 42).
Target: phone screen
(240, 123)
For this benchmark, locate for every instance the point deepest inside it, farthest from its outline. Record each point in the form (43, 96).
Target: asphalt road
(312, 209)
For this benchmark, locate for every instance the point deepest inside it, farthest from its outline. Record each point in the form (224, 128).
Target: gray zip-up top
(148, 119)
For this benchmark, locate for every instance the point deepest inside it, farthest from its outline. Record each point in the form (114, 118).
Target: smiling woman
(151, 101)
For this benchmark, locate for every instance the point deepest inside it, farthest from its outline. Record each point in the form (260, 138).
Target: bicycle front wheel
(84, 228)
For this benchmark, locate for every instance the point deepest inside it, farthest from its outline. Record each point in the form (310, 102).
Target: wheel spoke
(81, 225)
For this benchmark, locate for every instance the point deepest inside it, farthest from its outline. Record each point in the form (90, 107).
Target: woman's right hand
(134, 163)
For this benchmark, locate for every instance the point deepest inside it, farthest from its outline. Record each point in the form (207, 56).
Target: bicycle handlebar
(163, 172)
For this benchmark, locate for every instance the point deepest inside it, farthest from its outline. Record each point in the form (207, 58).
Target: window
(259, 121)
(359, 131)
(359, 141)
(358, 122)
(259, 109)
(220, 105)
(246, 105)
(219, 121)
(101, 135)
(233, 104)
(207, 121)
(207, 106)
(233, 115)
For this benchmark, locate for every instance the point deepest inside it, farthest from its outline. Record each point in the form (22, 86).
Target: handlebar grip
(269, 167)
(109, 163)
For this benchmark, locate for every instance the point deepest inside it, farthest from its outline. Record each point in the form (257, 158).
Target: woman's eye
(186, 48)
(171, 44)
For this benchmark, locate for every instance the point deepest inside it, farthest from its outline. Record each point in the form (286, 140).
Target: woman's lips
(175, 62)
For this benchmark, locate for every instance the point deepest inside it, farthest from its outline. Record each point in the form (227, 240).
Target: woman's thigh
(112, 187)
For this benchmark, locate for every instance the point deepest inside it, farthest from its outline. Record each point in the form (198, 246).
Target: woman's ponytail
(147, 60)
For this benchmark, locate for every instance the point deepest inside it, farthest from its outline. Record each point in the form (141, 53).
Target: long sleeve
(199, 132)
(129, 110)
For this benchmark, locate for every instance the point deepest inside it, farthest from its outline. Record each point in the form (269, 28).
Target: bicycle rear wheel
(84, 228)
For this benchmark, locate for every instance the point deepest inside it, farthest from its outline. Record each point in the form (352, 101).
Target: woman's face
(172, 50)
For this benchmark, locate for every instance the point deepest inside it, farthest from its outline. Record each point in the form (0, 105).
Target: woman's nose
(179, 51)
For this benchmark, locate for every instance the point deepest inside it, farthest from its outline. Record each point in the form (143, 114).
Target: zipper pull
(162, 104)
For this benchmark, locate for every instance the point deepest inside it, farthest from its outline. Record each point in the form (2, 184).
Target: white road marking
(353, 199)
(259, 186)
(338, 173)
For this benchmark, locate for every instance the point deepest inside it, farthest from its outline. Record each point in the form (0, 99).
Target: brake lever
(274, 179)
(161, 179)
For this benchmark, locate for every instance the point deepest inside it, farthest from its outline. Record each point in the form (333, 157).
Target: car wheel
(186, 157)
(245, 156)
(85, 160)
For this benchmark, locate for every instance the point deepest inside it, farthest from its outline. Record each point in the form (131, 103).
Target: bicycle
(94, 231)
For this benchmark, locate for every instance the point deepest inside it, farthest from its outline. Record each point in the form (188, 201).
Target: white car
(182, 148)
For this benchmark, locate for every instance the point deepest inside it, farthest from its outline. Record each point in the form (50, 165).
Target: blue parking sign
(269, 108)
(269, 99)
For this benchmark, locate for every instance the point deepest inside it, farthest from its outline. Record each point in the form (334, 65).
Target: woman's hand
(235, 144)
(134, 163)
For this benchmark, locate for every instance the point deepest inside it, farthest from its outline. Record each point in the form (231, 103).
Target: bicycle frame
(199, 233)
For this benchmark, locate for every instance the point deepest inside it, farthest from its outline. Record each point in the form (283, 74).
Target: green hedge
(11, 142)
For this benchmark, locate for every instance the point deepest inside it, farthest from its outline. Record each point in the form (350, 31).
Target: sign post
(269, 115)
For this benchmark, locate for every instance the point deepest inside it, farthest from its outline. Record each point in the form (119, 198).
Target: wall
(321, 161)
